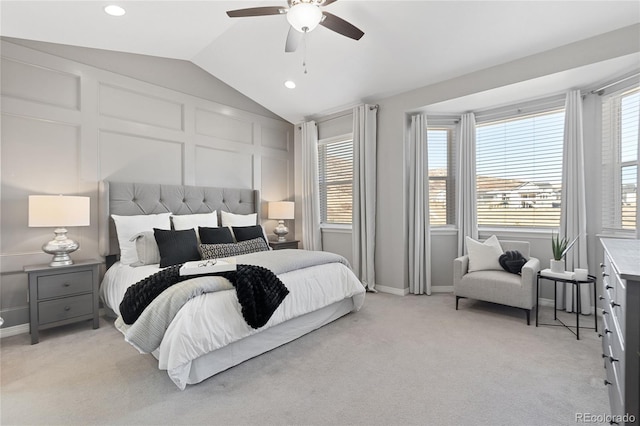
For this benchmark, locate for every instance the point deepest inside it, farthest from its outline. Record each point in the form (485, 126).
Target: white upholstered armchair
(496, 286)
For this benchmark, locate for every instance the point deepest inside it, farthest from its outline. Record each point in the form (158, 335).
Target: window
(620, 121)
(519, 170)
(335, 172)
(441, 176)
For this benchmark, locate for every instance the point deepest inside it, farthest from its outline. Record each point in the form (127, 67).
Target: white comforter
(214, 320)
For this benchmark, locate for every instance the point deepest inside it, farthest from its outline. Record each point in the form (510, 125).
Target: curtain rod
(599, 91)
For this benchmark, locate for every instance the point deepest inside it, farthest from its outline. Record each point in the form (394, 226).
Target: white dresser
(620, 302)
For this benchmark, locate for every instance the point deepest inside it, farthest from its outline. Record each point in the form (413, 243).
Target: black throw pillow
(176, 246)
(244, 233)
(512, 261)
(215, 235)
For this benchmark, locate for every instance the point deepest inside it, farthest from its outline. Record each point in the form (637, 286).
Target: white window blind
(441, 176)
(335, 158)
(620, 122)
(519, 170)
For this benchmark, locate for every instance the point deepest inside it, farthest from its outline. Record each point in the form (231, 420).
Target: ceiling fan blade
(328, 2)
(340, 26)
(256, 11)
(293, 40)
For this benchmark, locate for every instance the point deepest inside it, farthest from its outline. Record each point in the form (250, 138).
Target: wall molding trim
(392, 290)
(14, 331)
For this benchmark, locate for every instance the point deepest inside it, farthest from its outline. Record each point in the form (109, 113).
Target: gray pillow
(147, 249)
(215, 251)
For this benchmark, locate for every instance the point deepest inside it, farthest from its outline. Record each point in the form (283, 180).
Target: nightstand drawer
(281, 245)
(64, 284)
(62, 309)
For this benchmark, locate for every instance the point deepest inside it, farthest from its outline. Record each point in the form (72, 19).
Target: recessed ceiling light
(289, 84)
(114, 10)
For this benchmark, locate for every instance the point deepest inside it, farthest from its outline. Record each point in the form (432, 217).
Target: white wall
(67, 125)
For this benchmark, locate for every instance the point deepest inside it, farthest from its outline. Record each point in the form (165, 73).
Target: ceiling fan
(304, 16)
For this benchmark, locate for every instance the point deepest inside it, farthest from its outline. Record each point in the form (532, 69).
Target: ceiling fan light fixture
(304, 17)
(114, 10)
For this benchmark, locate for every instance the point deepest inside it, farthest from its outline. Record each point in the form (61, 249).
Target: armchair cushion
(484, 256)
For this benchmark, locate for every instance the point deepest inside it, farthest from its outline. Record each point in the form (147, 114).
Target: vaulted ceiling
(407, 44)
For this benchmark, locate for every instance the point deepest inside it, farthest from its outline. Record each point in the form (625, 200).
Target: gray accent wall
(74, 116)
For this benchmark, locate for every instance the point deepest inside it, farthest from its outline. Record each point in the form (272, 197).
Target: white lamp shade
(281, 210)
(58, 211)
(304, 17)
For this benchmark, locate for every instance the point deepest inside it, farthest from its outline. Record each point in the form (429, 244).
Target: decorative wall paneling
(66, 126)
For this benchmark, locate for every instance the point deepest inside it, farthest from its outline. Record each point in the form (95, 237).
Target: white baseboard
(14, 331)
(405, 291)
(392, 290)
(545, 302)
(24, 328)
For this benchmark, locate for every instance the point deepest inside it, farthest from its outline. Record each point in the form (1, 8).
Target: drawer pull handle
(604, 312)
(607, 383)
(604, 274)
(608, 287)
(67, 308)
(612, 359)
(614, 304)
(66, 285)
(601, 297)
(601, 265)
(606, 331)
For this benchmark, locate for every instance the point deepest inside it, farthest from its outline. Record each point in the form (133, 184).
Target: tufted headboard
(130, 199)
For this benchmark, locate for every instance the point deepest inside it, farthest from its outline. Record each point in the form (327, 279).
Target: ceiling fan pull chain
(304, 51)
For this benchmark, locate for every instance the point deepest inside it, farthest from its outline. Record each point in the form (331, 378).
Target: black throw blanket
(259, 291)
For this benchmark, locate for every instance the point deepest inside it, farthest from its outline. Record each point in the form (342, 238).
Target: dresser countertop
(625, 255)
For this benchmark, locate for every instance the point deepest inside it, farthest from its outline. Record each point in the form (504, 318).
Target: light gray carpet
(400, 360)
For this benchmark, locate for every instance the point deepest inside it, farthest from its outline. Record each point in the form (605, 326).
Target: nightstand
(279, 245)
(62, 295)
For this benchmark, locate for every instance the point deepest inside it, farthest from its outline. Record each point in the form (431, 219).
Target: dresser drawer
(62, 309)
(614, 355)
(607, 332)
(58, 285)
(614, 387)
(620, 299)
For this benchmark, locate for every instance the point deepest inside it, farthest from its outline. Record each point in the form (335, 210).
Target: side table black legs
(575, 292)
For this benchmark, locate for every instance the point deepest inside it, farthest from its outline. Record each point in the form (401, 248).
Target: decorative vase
(557, 265)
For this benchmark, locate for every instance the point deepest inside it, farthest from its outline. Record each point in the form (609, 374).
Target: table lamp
(59, 211)
(281, 210)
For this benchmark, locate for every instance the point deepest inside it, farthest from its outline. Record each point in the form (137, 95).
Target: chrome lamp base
(281, 231)
(60, 247)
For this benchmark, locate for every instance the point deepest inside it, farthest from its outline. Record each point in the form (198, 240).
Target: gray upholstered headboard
(128, 199)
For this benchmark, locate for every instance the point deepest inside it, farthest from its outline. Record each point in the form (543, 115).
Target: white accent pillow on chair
(484, 256)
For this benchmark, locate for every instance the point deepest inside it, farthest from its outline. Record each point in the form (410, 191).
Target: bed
(208, 334)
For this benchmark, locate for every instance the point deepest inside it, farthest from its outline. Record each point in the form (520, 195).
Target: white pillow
(484, 256)
(193, 221)
(146, 249)
(128, 226)
(232, 219)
